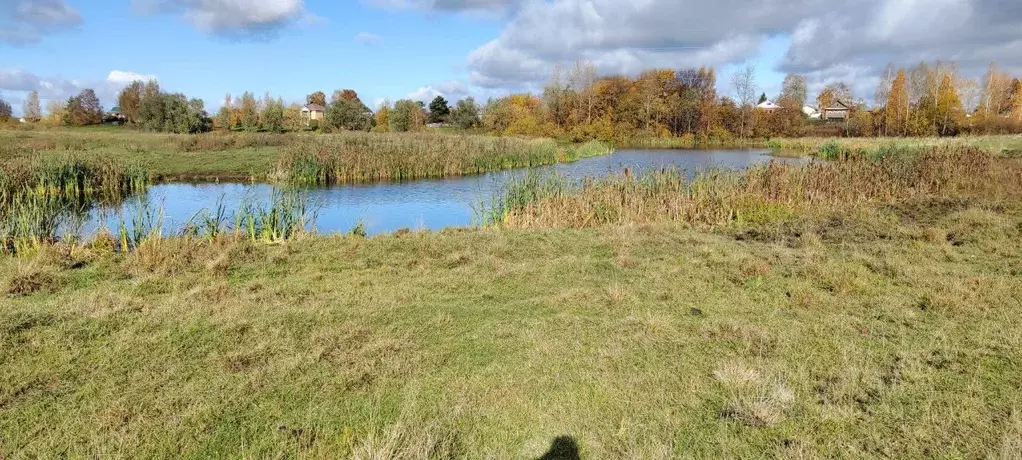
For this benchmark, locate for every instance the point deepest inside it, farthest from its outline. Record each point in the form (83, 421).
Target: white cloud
(367, 38)
(447, 5)
(828, 40)
(233, 17)
(120, 77)
(28, 21)
(20, 82)
(450, 90)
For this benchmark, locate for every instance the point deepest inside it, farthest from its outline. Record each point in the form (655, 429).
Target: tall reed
(717, 197)
(357, 157)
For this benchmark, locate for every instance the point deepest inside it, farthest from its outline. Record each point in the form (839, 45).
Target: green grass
(886, 333)
(352, 157)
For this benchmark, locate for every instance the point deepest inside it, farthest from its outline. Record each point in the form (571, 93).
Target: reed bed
(763, 193)
(358, 158)
(48, 198)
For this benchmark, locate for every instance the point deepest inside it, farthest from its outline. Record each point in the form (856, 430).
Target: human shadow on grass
(563, 448)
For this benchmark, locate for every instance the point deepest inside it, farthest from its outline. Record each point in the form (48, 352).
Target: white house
(811, 112)
(769, 106)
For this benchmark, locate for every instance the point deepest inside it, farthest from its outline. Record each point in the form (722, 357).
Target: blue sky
(419, 48)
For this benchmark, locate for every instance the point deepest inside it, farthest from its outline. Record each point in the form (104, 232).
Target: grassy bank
(888, 332)
(261, 156)
(997, 145)
(764, 194)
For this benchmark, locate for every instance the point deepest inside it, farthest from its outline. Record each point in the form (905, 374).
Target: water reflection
(424, 204)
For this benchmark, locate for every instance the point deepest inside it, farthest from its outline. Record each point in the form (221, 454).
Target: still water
(424, 204)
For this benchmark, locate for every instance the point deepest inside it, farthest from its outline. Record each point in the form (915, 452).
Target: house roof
(314, 108)
(839, 105)
(769, 105)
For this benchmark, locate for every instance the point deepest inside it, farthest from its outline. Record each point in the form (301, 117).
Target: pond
(431, 204)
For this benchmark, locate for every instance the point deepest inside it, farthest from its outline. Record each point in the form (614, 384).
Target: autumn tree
(223, 117)
(84, 109)
(949, 112)
(5, 110)
(996, 91)
(884, 86)
(582, 80)
(794, 92)
(249, 112)
(318, 98)
(744, 84)
(130, 99)
(438, 110)
(151, 111)
(55, 113)
(557, 97)
(896, 112)
(406, 116)
(33, 112)
(347, 111)
(272, 117)
(1016, 101)
(382, 117)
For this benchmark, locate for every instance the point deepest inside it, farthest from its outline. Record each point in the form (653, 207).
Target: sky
(394, 49)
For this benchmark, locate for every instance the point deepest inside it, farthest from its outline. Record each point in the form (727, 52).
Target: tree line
(925, 100)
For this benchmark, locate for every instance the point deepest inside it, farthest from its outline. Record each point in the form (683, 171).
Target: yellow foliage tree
(949, 111)
(896, 111)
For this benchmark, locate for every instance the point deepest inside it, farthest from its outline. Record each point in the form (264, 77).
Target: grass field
(867, 307)
(348, 157)
(889, 333)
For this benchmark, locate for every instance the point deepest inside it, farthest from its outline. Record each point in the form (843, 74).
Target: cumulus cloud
(20, 82)
(367, 38)
(448, 5)
(450, 90)
(120, 77)
(232, 17)
(828, 41)
(28, 21)
(626, 37)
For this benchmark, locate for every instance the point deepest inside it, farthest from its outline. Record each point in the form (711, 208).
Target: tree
(347, 111)
(466, 114)
(273, 114)
(406, 116)
(582, 80)
(84, 109)
(5, 110)
(33, 112)
(318, 98)
(744, 84)
(1016, 101)
(383, 117)
(438, 110)
(249, 112)
(949, 112)
(54, 113)
(223, 117)
(762, 98)
(794, 92)
(883, 90)
(896, 112)
(130, 99)
(151, 107)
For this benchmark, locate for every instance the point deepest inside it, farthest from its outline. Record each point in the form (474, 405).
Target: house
(811, 112)
(115, 115)
(22, 120)
(838, 110)
(313, 112)
(768, 106)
